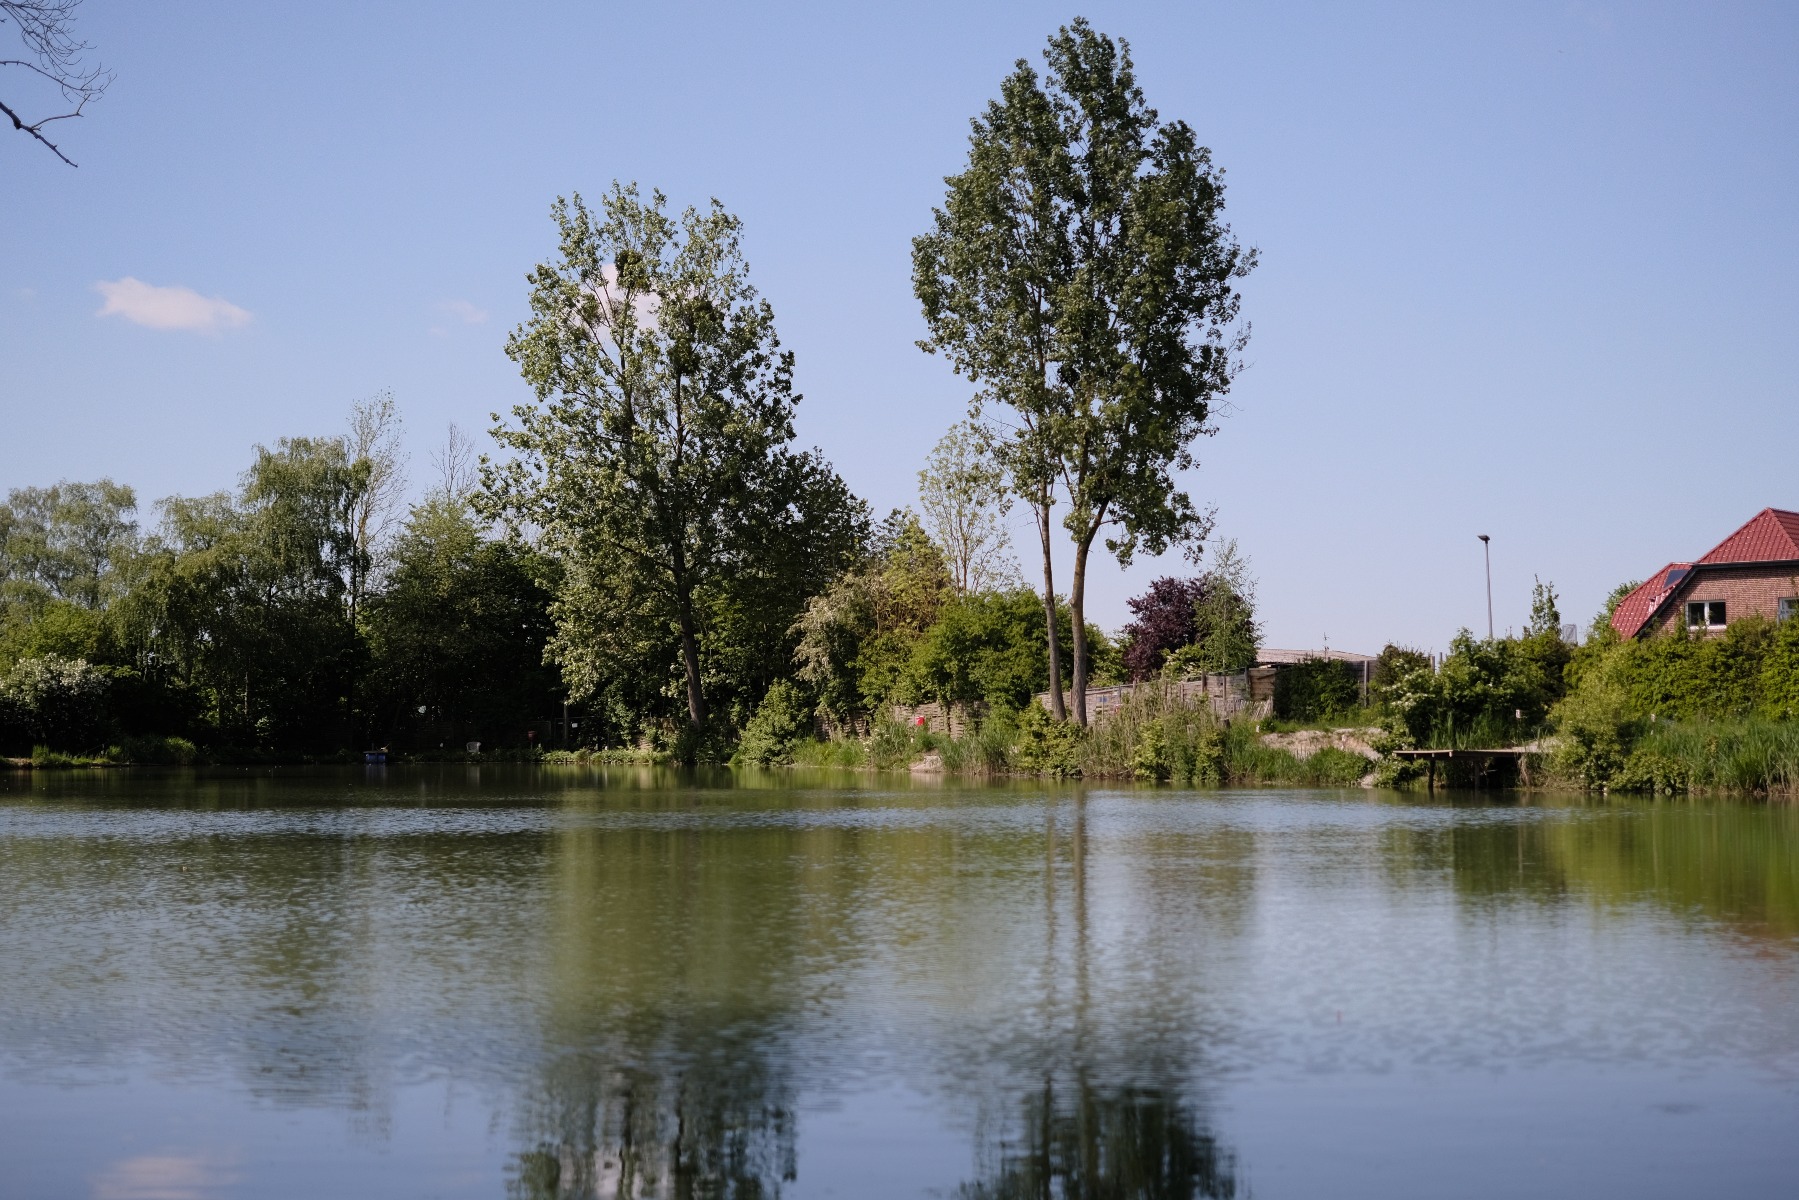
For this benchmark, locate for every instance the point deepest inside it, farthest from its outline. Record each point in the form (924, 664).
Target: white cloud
(463, 311)
(168, 307)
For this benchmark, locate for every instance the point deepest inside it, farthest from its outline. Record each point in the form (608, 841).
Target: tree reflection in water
(684, 1021)
(708, 1131)
(1096, 1144)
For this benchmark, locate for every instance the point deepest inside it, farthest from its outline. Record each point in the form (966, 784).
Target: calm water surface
(569, 983)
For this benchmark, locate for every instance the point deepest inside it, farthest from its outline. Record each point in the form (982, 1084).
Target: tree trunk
(690, 662)
(1056, 707)
(690, 645)
(1077, 611)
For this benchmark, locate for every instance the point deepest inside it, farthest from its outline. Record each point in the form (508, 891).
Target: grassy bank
(1154, 736)
(179, 752)
(1747, 756)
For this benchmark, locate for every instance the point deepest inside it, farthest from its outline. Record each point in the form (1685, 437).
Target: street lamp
(1487, 549)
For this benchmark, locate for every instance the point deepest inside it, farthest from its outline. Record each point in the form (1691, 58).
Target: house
(1753, 571)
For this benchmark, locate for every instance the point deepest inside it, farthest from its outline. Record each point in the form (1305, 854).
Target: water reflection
(1736, 865)
(1086, 1143)
(650, 982)
(719, 1128)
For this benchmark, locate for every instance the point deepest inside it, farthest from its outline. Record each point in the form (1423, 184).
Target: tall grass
(1155, 734)
(1750, 755)
(1158, 734)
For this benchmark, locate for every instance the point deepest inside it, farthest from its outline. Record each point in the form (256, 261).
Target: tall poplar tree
(1080, 273)
(655, 462)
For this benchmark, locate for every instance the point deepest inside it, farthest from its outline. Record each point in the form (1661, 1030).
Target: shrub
(1046, 745)
(781, 722)
(1780, 672)
(54, 701)
(1315, 689)
(154, 751)
(1650, 771)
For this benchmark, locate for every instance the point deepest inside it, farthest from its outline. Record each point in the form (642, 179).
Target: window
(1789, 607)
(1705, 614)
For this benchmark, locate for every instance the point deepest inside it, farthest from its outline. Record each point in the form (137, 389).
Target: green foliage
(781, 722)
(1155, 734)
(1404, 685)
(1545, 612)
(244, 601)
(986, 648)
(70, 542)
(1047, 746)
(962, 491)
(1226, 634)
(1678, 711)
(1493, 692)
(656, 460)
(1080, 273)
(894, 630)
(837, 752)
(1650, 771)
(459, 630)
(1595, 724)
(1779, 682)
(1316, 689)
(154, 751)
(893, 745)
(52, 701)
(1682, 676)
(1331, 767)
(857, 635)
(1750, 755)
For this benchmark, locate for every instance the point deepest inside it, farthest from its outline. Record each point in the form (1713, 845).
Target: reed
(1752, 755)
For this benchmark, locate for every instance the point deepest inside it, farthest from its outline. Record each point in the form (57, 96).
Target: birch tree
(963, 494)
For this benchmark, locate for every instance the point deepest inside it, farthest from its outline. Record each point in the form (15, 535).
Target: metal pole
(1487, 549)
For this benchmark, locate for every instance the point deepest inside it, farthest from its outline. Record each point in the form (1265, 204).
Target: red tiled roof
(1635, 609)
(1771, 535)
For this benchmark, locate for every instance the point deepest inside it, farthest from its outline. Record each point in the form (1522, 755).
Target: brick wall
(1744, 590)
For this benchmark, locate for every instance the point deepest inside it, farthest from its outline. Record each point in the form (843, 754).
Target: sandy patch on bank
(1304, 743)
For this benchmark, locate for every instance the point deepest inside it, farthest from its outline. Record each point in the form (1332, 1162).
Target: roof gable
(1634, 611)
(1771, 535)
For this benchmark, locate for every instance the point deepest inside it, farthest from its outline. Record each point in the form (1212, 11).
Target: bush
(1650, 771)
(1780, 672)
(1315, 689)
(1046, 745)
(781, 722)
(1331, 767)
(154, 751)
(53, 701)
(1156, 734)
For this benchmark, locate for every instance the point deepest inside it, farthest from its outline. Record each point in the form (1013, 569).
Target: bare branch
(47, 29)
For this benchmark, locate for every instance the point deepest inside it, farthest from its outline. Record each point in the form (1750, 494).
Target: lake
(511, 982)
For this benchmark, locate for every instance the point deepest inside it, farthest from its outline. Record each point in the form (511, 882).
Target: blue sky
(1527, 269)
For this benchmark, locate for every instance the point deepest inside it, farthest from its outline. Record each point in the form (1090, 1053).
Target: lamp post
(1486, 548)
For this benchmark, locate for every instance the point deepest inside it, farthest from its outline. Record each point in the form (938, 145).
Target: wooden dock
(1486, 758)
